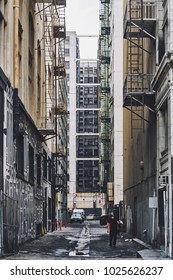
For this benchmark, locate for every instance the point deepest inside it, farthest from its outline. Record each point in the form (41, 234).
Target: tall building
(84, 190)
(72, 72)
(87, 138)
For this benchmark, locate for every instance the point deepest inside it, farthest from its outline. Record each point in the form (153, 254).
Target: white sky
(82, 16)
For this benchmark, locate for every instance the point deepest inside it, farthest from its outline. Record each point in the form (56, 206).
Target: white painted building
(71, 52)
(116, 100)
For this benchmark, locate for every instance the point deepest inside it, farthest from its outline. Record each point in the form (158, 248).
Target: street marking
(82, 247)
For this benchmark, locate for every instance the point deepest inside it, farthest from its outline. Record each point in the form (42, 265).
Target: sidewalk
(149, 253)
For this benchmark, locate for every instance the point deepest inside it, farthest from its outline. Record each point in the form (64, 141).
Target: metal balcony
(54, 2)
(139, 20)
(135, 86)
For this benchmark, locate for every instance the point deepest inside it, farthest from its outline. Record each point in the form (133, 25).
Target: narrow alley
(86, 112)
(76, 241)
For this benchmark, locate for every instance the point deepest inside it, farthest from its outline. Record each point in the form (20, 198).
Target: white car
(76, 218)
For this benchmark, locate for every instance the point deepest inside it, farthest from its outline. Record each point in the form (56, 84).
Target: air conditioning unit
(163, 180)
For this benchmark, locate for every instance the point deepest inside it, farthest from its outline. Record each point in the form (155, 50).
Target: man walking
(113, 230)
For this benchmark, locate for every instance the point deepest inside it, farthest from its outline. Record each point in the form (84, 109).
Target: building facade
(87, 139)
(82, 78)
(30, 126)
(71, 56)
(162, 85)
(139, 119)
(148, 121)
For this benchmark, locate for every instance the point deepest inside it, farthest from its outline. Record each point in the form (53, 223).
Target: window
(86, 70)
(91, 90)
(90, 70)
(90, 79)
(44, 165)
(85, 80)
(31, 33)
(67, 52)
(20, 155)
(67, 64)
(31, 164)
(49, 208)
(39, 171)
(49, 170)
(67, 40)
(95, 80)
(164, 127)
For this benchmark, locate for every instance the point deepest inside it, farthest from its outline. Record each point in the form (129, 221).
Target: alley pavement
(86, 241)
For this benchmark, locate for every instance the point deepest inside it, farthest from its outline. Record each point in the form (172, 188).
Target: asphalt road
(78, 241)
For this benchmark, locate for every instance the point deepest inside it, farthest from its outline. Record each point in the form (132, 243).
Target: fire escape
(139, 23)
(104, 57)
(54, 104)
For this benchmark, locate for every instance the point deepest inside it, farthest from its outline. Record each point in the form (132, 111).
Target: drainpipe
(16, 44)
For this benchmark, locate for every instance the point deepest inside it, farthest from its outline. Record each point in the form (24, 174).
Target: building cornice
(165, 65)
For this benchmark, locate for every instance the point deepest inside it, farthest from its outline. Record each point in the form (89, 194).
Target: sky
(82, 16)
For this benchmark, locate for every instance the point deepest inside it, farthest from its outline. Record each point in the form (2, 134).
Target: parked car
(91, 217)
(103, 220)
(79, 211)
(76, 218)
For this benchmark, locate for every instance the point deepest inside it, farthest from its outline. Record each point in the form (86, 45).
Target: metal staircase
(139, 23)
(54, 106)
(53, 12)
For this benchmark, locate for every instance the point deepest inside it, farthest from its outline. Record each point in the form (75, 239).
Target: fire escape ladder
(105, 90)
(53, 12)
(55, 115)
(59, 110)
(136, 68)
(138, 25)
